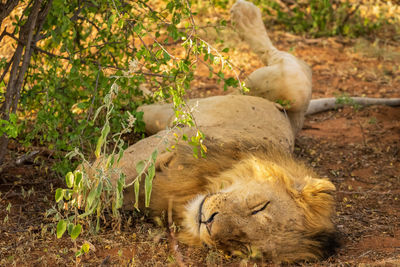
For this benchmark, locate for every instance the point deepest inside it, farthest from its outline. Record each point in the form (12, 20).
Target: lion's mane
(182, 177)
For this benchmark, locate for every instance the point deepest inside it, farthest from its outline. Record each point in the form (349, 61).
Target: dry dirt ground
(358, 149)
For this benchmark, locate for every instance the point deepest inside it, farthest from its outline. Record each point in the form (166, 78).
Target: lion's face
(265, 214)
(246, 216)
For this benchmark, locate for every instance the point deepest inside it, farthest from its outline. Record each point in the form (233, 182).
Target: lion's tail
(247, 20)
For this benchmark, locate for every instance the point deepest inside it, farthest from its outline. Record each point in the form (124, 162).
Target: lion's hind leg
(157, 117)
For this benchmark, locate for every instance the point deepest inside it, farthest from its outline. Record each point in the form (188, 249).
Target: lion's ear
(317, 195)
(314, 186)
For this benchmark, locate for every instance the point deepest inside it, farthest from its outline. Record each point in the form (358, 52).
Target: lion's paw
(245, 16)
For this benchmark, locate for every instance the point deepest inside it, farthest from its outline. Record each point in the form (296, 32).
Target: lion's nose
(209, 222)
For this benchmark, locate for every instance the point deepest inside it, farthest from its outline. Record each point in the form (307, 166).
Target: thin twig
(60, 56)
(8, 192)
(362, 133)
(147, 48)
(172, 239)
(226, 61)
(94, 94)
(153, 74)
(193, 31)
(140, 38)
(90, 22)
(162, 18)
(165, 50)
(350, 14)
(113, 58)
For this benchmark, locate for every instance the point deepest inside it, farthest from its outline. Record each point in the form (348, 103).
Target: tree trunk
(28, 36)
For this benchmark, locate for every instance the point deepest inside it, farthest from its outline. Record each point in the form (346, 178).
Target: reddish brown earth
(358, 149)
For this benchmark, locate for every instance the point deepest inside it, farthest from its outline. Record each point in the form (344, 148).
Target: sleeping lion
(248, 194)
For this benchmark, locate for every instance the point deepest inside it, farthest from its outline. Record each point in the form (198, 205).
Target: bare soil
(358, 149)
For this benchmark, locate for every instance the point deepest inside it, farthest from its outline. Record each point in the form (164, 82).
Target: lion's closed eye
(260, 207)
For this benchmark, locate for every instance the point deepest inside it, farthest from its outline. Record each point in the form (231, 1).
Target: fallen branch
(324, 104)
(21, 160)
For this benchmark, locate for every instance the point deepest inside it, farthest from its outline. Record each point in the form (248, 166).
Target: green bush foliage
(83, 47)
(322, 17)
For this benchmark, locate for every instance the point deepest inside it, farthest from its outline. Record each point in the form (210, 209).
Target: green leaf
(151, 171)
(93, 200)
(154, 155)
(148, 184)
(67, 194)
(59, 194)
(97, 224)
(89, 211)
(90, 198)
(76, 231)
(13, 118)
(121, 183)
(69, 179)
(110, 161)
(121, 23)
(147, 188)
(231, 82)
(140, 167)
(78, 178)
(136, 186)
(99, 189)
(100, 142)
(120, 154)
(61, 227)
(167, 57)
(111, 20)
(70, 227)
(85, 247)
(97, 112)
(106, 130)
(119, 192)
(102, 139)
